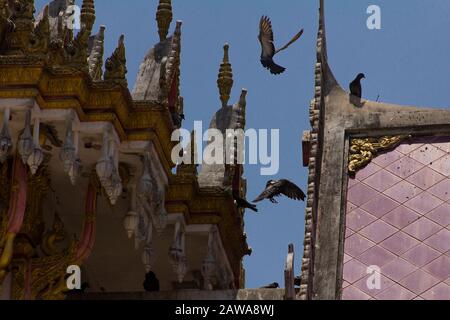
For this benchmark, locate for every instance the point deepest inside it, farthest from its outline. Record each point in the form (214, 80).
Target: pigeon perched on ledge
(268, 48)
(279, 188)
(355, 85)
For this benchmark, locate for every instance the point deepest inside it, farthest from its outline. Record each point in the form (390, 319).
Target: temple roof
(330, 85)
(159, 68)
(336, 120)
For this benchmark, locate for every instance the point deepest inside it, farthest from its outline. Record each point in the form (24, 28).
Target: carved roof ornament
(96, 50)
(87, 15)
(362, 151)
(115, 66)
(80, 44)
(40, 38)
(225, 78)
(18, 40)
(164, 18)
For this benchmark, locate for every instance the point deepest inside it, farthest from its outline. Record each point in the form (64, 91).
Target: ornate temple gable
(335, 122)
(207, 198)
(159, 74)
(227, 117)
(66, 83)
(50, 71)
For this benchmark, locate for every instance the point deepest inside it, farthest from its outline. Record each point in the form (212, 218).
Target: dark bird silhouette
(242, 203)
(297, 281)
(151, 283)
(355, 85)
(274, 285)
(268, 48)
(279, 188)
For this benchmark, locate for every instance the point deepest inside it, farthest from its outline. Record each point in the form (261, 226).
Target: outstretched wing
(266, 38)
(291, 190)
(294, 39)
(272, 190)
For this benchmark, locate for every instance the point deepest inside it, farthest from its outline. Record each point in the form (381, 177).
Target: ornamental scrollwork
(363, 151)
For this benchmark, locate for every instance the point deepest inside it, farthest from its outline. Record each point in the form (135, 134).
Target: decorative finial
(164, 18)
(95, 59)
(225, 79)
(87, 15)
(115, 65)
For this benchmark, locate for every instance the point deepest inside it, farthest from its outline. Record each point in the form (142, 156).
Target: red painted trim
(87, 241)
(18, 199)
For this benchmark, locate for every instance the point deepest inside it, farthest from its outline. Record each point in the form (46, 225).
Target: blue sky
(405, 62)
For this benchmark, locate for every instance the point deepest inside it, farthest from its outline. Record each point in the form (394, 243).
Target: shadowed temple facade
(87, 177)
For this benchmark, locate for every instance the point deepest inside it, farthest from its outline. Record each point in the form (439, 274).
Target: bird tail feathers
(272, 66)
(294, 39)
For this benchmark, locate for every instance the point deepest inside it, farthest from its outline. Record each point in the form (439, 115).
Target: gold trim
(363, 151)
(225, 78)
(164, 18)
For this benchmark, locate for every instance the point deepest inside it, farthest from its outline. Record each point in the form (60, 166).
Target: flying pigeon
(281, 187)
(355, 85)
(151, 283)
(297, 281)
(274, 285)
(242, 203)
(268, 48)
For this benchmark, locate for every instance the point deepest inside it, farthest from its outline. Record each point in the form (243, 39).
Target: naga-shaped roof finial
(115, 66)
(225, 78)
(164, 18)
(95, 59)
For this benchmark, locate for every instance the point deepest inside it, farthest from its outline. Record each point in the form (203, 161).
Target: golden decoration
(225, 78)
(53, 237)
(362, 151)
(48, 274)
(38, 185)
(164, 18)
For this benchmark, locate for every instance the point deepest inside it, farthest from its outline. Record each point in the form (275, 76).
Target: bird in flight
(242, 203)
(268, 48)
(355, 85)
(279, 188)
